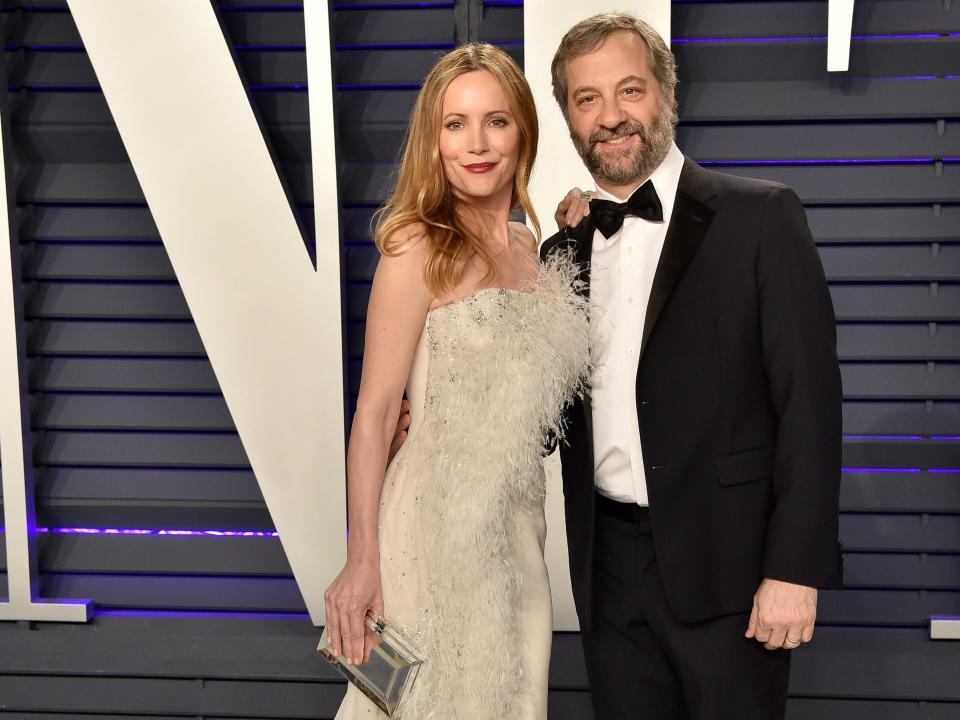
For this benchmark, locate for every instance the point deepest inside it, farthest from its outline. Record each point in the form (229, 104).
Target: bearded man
(701, 471)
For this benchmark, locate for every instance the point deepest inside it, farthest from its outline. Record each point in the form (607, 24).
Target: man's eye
(586, 98)
(632, 91)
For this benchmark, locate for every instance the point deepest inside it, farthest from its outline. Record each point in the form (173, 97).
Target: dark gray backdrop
(130, 429)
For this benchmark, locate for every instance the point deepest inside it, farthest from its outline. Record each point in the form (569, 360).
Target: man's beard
(633, 165)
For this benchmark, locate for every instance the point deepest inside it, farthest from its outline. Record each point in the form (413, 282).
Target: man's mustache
(621, 130)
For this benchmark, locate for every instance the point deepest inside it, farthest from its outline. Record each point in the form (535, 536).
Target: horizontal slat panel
(102, 374)
(140, 449)
(66, 224)
(899, 341)
(900, 492)
(891, 262)
(900, 380)
(829, 98)
(86, 300)
(804, 60)
(83, 183)
(149, 514)
(240, 594)
(742, 19)
(161, 554)
(147, 412)
(877, 608)
(930, 302)
(883, 453)
(893, 664)
(901, 417)
(853, 140)
(184, 697)
(884, 224)
(860, 709)
(886, 570)
(845, 184)
(115, 338)
(902, 533)
(131, 484)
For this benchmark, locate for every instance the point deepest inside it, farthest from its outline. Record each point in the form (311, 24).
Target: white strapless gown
(461, 516)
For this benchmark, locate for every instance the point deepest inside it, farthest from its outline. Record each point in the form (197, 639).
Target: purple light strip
(809, 38)
(899, 470)
(198, 614)
(144, 531)
(880, 470)
(827, 161)
(883, 437)
(392, 6)
(396, 46)
(381, 86)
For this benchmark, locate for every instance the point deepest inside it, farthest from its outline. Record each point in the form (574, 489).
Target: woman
(447, 543)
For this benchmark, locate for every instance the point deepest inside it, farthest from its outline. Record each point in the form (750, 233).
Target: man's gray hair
(587, 35)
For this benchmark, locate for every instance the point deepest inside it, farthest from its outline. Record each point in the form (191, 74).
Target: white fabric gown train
(461, 516)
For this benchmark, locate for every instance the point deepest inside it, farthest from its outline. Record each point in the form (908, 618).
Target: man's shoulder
(733, 187)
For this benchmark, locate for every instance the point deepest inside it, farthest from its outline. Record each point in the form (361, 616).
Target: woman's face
(479, 137)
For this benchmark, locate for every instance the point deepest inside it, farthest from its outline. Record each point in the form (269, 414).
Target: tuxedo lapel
(688, 224)
(581, 237)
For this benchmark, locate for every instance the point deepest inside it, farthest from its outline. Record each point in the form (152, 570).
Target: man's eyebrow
(625, 81)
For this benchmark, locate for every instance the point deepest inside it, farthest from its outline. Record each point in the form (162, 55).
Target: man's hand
(783, 614)
(403, 422)
(574, 207)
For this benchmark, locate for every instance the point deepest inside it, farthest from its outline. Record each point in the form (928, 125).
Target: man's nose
(611, 114)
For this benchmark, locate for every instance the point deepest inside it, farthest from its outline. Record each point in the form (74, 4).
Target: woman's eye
(454, 125)
(498, 122)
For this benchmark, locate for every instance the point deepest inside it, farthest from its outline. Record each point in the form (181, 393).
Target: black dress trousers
(645, 663)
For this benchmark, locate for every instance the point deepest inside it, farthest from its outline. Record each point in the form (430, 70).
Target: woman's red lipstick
(480, 167)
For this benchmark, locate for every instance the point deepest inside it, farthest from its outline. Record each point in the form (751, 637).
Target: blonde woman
(447, 541)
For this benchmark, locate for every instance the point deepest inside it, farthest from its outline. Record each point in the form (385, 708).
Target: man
(701, 473)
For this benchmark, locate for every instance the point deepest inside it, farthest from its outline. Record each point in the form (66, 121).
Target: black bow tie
(644, 203)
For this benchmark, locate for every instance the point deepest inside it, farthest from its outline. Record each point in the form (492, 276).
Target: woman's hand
(574, 207)
(356, 589)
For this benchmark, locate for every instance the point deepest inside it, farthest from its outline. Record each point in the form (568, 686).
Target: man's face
(619, 120)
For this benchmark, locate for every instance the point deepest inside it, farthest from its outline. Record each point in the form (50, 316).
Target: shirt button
(630, 350)
(630, 299)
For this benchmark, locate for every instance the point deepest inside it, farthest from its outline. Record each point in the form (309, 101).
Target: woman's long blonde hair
(423, 193)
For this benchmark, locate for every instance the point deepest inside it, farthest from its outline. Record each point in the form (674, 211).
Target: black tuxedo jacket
(738, 397)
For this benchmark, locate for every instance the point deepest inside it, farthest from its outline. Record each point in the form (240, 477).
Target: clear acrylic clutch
(388, 674)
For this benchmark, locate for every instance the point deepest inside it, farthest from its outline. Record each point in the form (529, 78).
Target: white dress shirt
(621, 277)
